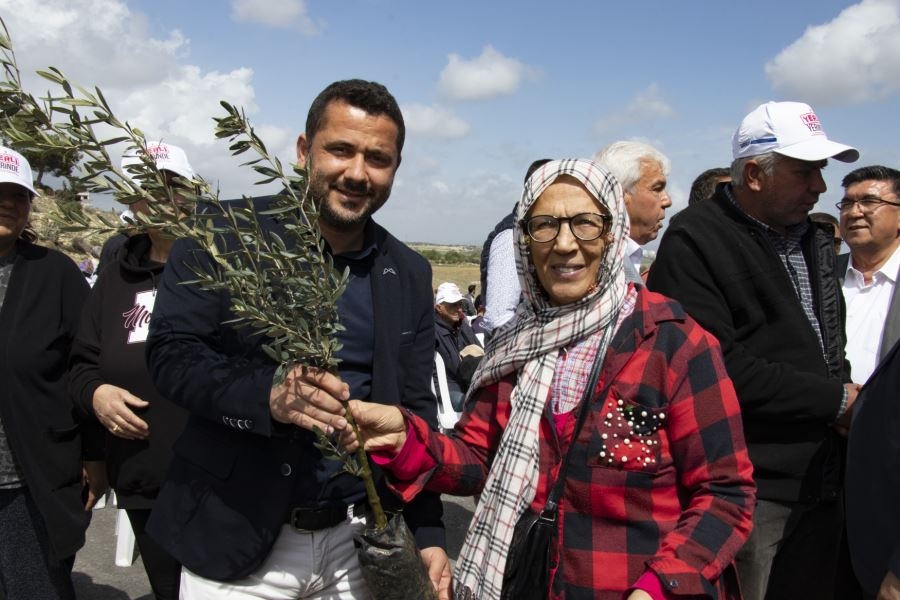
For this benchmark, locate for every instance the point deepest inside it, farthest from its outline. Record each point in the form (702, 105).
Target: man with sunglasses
(870, 224)
(753, 270)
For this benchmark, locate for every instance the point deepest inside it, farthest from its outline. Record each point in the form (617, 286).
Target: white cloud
(460, 209)
(148, 80)
(285, 14)
(489, 75)
(433, 121)
(854, 58)
(646, 105)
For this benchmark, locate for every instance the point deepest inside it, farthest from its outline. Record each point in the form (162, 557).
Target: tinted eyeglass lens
(543, 229)
(587, 226)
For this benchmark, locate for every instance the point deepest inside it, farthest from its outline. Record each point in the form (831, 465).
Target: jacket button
(673, 583)
(285, 469)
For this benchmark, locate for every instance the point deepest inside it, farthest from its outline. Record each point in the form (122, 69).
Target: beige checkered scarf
(529, 346)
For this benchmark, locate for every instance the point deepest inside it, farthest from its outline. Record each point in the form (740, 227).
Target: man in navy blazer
(250, 507)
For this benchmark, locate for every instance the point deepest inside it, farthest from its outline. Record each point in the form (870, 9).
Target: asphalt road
(97, 577)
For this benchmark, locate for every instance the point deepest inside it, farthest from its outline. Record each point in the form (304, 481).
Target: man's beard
(319, 190)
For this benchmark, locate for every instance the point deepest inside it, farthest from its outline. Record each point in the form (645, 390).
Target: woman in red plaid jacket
(658, 495)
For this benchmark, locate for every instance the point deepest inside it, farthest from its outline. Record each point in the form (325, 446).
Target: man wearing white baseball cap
(752, 269)
(453, 334)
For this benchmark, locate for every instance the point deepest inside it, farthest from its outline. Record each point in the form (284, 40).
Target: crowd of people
(721, 423)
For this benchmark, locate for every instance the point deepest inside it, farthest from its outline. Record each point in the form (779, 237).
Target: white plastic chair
(447, 416)
(124, 540)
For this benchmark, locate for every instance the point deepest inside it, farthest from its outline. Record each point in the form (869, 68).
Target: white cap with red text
(14, 168)
(788, 128)
(167, 157)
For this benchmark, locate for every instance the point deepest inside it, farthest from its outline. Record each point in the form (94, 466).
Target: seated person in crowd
(453, 338)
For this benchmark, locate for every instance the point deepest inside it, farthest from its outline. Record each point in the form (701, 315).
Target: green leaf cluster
(285, 289)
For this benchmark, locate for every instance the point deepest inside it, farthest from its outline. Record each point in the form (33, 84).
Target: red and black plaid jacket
(659, 478)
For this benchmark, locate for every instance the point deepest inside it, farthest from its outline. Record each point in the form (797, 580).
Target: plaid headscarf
(529, 345)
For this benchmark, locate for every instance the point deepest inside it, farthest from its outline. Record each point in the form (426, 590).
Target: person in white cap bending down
(752, 268)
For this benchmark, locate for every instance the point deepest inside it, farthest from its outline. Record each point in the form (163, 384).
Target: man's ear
(753, 176)
(302, 149)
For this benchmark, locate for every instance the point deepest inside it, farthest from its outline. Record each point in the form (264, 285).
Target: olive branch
(285, 289)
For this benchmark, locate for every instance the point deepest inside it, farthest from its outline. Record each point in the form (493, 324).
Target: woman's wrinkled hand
(381, 427)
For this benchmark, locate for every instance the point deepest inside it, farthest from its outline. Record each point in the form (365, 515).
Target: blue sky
(485, 87)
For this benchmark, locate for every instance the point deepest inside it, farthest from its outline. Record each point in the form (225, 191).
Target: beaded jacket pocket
(625, 435)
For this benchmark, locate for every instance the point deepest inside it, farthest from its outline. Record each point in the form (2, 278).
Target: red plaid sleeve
(706, 444)
(463, 457)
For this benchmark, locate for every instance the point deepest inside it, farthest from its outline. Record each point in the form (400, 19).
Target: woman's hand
(639, 595)
(113, 407)
(93, 481)
(438, 565)
(381, 427)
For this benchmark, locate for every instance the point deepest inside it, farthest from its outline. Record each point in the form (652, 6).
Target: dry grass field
(461, 274)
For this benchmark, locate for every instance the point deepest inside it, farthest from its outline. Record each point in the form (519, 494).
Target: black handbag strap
(553, 499)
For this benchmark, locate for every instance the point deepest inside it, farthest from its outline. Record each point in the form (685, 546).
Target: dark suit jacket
(37, 325)
(892, 324)
(873, 476)
(233, 475)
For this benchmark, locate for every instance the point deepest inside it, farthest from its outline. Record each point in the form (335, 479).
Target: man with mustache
(251, 507)
(642, 171)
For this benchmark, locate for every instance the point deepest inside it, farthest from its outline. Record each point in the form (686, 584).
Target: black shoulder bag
(527, 572)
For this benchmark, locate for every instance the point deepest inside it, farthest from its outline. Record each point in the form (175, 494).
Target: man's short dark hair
(705, 184)
(369, 96)
(874, 173)
(822, 217)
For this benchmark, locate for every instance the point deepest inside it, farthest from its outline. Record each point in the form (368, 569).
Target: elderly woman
(44, 506)
(658, 494)
(109, 376)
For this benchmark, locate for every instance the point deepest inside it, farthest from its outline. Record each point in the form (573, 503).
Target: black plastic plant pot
(391, 564)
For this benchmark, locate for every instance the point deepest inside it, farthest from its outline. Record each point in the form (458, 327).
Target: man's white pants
(311, 565)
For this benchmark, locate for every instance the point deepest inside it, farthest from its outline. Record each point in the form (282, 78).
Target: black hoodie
(109, 348)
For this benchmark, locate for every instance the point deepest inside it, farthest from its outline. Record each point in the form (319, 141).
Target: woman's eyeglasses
(585, 226)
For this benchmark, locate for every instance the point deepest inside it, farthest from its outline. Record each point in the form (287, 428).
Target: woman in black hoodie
(110, 381)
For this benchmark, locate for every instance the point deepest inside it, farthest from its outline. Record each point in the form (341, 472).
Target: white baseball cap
(448, 292)
(788, 128)
(14, 168)
(168, 157)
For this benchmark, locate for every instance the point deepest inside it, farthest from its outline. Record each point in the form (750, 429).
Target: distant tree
(48, 158)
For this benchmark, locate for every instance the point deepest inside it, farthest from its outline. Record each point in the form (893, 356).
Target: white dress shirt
(634, 253)
(867, 309)
(503, 287)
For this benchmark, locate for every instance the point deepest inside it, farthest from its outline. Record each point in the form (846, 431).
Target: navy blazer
(873, 476)
(230, 483)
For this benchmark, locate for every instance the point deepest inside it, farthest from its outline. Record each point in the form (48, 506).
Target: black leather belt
(314, 519)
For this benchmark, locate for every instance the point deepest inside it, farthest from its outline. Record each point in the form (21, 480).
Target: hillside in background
(45, 222)
(455, 263)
